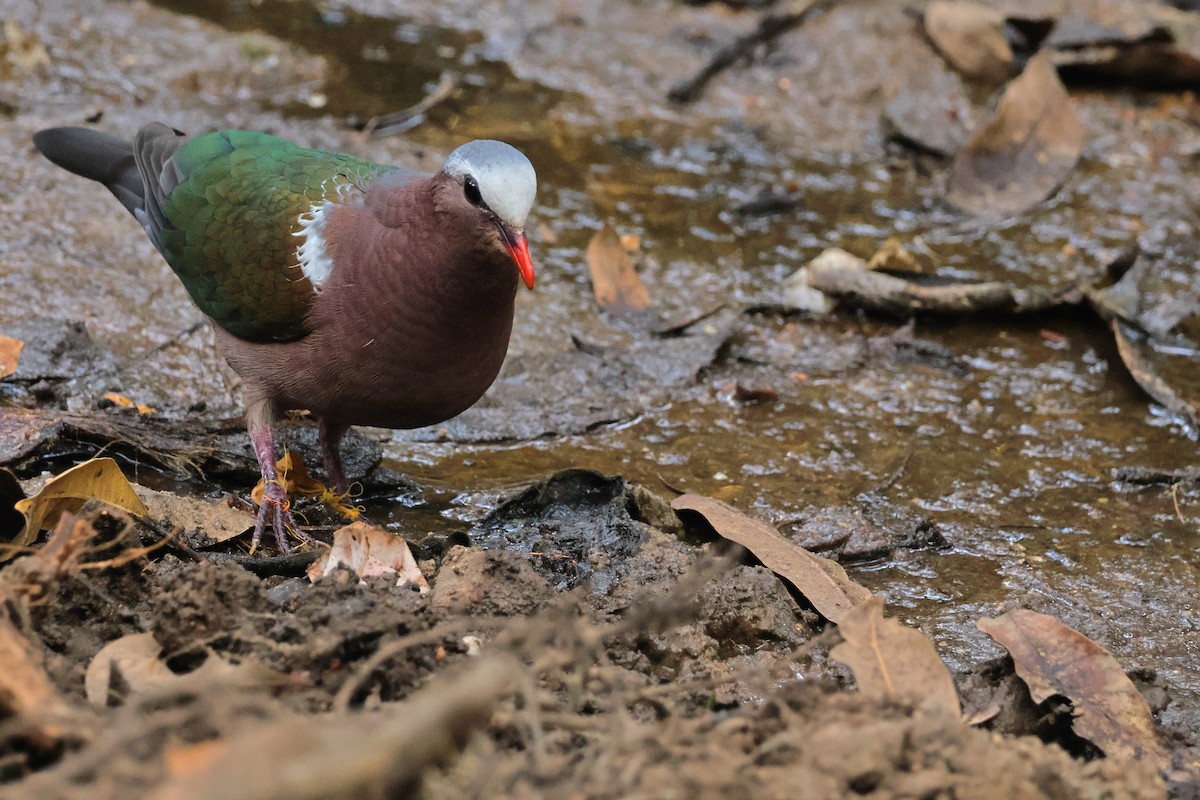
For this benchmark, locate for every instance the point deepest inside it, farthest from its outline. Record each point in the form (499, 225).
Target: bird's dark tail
(97, 156)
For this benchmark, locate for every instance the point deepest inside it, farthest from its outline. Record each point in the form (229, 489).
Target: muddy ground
(579, 639)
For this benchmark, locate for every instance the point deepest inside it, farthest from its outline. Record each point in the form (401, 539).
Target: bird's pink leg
(274, 507)
(329, 435)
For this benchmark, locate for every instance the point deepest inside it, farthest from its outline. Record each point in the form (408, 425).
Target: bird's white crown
(507, 182)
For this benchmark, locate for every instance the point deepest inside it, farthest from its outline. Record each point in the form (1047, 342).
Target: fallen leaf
(133, 665)
(10, 355)
(971, 37)
(132, 659)
(615, 283)
(1162, 376)
(294, 477)
(369, 551)
(822, 582)
(1053, 659)
(1022, 154)
(893, 661)
(96, 479)
(124, 402)
(217, 520)
(893, 255)
(25, 50)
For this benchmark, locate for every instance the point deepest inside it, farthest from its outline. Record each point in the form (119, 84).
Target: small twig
(770, 26)
(386, 652)
(400, 121)
(170, 539)
(1175, 502)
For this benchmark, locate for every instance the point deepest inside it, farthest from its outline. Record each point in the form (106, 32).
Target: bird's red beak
(518, 248)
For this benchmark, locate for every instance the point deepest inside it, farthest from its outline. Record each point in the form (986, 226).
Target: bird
(365, 293)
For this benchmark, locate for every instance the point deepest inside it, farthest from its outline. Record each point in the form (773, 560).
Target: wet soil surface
(577, 640)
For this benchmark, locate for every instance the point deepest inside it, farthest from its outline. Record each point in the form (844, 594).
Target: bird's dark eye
(471, 189)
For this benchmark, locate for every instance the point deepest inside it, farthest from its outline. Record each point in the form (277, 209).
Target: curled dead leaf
(615, 283)
(1053, 659)
(891, 661)
(970, 36)
(1153, 371)
(369, 551)
(823, 583)
(132, 665)
(1022, 154)
(97, 479)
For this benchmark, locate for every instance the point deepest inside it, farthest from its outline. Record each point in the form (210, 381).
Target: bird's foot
(276, 510)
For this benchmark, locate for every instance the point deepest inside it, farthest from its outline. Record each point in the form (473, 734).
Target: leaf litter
(1053, 659)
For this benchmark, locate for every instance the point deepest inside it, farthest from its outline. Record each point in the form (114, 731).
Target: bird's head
(499, 181)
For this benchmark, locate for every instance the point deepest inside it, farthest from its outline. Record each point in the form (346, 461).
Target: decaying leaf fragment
(1022, 154)
(96, 479)
(133, 665)
(971, 37)
(823, 582)
(369, 551)
(1152, 371)
(891, 661)
(10, 355)
(218, 520)
(1053, 659)
(615, 283)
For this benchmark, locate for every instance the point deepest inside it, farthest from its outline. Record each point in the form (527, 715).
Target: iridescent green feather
(232, 222)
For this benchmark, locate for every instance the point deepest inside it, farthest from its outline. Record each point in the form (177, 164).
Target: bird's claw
(276, 510)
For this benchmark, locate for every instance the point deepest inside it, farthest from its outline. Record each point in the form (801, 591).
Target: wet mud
(957, 466)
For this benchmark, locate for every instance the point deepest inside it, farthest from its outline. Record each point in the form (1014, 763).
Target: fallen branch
(770, 26)
(408, 118)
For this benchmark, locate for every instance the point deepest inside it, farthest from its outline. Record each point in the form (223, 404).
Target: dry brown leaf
(25, 50)
(294, 477)
(615, 284)
(218, 520)
(1022, 154)
(369, 551)
(823, 582)
(891, 661)
(1053, 659)
(97, 479)
(134, 660)
(971, 37)
(132, 665)
(1150, 370)
(10, 355)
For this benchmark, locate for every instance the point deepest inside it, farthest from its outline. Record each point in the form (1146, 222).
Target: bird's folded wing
(230, 212)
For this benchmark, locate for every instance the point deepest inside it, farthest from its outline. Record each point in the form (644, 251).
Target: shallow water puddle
(1006, 442)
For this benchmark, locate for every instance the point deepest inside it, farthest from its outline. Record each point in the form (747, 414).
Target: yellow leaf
(10, 354)
(97, 479)
(294, 478)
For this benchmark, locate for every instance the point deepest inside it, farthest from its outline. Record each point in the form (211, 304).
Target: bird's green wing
(228, 220)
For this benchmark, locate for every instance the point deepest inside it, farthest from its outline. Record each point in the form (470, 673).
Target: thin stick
(770, 26)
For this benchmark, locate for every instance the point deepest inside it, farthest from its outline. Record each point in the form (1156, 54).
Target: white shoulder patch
(315, 261)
